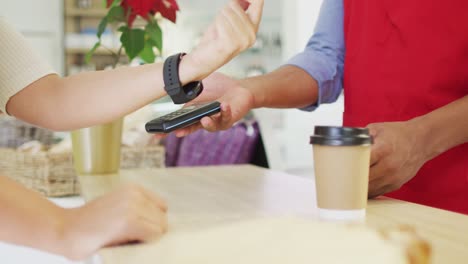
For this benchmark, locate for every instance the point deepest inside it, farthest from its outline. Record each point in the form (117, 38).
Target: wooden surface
(208, 196)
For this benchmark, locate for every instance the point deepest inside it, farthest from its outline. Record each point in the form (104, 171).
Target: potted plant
(96, 150)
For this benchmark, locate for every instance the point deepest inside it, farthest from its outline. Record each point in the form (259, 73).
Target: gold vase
(96, 150)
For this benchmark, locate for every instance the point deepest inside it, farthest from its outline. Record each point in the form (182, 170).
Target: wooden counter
(208, 196)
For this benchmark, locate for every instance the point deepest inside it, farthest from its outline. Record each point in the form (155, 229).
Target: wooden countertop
(206, 196)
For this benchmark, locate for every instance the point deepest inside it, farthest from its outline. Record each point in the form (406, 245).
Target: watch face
(192, 90)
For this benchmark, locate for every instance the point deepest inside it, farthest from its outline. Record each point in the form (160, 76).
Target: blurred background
(62, 31)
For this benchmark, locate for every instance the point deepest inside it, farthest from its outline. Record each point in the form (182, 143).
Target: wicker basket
(53, 175)
(14, 133)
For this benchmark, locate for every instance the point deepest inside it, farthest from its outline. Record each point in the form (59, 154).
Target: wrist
(191, 70)
(58, 240)
(75, 242)
(258, 97)
(424, 138)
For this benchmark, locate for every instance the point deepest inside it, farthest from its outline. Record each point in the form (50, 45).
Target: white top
(20, 65)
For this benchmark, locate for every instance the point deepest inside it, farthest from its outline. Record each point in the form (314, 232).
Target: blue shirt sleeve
(323, 57)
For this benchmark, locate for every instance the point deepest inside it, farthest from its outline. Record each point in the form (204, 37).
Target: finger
(377, 171)
(255, 11)
(160, 136)
(244, 4)
(183, 132)
(157, 219)
(241, 14)
(236, 25)
(210, 124)
(226, 117)
(153, 213)
(221, 121)
(157, 200)
(245, 27)
(150, 196)
(374, 193)
(378, 187)
(151, 225)
(378, 152)
(223, 25)
(381, 179)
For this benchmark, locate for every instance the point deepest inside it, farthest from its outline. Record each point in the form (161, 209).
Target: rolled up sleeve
(323, 57)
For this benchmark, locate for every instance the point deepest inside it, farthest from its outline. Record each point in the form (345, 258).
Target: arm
(313, 76)
(402, 148)
(99, 97)
(128, 214)
(309, 79)
(444, 128)
(286, 87)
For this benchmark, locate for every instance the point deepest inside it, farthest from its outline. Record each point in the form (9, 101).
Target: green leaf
(147, 54)
(90, 53)
(155, 34)
(133, 40)
(102, 26)
(116, 2)
(116, 14)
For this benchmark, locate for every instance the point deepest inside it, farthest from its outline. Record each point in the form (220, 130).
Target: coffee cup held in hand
(341, 164)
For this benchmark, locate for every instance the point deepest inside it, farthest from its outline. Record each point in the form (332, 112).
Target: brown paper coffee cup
(341, 164)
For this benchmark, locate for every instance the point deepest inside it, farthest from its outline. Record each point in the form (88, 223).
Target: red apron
(405, 58)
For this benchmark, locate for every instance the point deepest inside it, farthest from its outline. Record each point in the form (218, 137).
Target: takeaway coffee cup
(341, 164)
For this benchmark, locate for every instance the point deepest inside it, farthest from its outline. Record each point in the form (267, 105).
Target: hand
(396, 156)
(236, 101)
(128, 214)
(233, 31)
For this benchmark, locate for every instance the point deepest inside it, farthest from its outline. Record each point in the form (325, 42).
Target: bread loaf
(290, 240)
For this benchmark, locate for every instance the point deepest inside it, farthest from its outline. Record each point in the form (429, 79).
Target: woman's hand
(233, 31)
(129, 214)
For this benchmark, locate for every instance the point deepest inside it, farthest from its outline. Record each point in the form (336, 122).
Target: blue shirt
(323, 58)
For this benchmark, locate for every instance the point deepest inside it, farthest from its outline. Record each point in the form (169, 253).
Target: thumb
(255, 11)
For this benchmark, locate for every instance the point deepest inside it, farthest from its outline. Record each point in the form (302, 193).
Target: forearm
(286, 87)
(443, 128)
(28, 219)
(91, 98)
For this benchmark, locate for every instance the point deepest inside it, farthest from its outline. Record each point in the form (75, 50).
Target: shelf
(91, 12)
(99, 51)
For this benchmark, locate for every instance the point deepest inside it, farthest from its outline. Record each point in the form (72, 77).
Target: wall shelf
(99, 51)
(82, 12)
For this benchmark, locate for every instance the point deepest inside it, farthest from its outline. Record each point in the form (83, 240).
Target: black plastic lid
(341, 136)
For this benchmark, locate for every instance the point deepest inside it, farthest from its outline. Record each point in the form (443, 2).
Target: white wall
(41, 22)
(299, 18)
(286, 132)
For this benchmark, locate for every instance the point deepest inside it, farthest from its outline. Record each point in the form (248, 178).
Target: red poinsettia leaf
(169, 14)
(173, 4)
(129, 12)
(141, 7)
(167, 8)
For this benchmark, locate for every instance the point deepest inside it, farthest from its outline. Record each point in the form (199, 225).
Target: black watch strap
(178, 93)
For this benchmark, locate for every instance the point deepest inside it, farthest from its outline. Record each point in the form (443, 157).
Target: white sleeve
(20, 65)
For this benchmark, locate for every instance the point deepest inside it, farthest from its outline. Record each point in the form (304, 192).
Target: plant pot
(96, 150)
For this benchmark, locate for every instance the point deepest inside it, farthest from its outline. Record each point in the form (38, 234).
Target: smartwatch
(178, 93)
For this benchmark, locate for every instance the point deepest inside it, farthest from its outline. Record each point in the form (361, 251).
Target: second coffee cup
(341, 164)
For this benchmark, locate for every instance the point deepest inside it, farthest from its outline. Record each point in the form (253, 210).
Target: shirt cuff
(324, 72)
